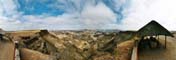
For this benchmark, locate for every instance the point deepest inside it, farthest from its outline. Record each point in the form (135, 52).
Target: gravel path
(160, 54)
(6, 51)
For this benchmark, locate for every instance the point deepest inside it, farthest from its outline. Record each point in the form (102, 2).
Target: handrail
(134, 55)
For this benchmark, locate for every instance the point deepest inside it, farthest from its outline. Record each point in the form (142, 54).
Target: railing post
(135, 51)
(165, 41)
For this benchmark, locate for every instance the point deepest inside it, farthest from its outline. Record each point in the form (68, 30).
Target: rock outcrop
(27, 54)
(69, 45)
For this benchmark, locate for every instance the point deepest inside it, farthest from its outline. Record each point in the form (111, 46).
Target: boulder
(27, 54)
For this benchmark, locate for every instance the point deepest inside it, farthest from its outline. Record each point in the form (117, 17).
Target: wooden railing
(134, 55)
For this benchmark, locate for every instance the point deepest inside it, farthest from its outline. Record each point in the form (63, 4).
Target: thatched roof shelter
(152, 29)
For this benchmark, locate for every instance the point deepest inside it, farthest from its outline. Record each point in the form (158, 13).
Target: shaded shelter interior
(149, 35)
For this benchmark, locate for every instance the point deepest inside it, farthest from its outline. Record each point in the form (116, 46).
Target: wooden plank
(135, 51)
(6, 50)
(134, 54)
(165, 41)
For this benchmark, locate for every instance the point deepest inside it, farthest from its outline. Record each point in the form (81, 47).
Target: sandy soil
(161, 54)
(6, 51)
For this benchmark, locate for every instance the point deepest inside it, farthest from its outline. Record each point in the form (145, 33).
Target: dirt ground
(161, 54)
(124, 50)
(6, 51)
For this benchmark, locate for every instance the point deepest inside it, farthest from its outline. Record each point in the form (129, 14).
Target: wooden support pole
(158, 37)
(165, 41)
(14, 51)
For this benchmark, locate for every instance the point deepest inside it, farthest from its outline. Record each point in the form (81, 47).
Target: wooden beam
(165, 41)
(158, 37)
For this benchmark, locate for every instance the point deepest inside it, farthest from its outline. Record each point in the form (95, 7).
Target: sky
(85, 14)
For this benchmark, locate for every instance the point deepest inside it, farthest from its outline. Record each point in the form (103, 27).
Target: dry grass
(18, 34)
(123, 50)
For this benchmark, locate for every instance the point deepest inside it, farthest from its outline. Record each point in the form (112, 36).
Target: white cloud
(143, 11)
(89, 15)
(97, 16)
(8, 8)
(92, 16)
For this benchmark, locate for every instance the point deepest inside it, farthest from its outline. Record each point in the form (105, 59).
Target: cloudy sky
(85, 14)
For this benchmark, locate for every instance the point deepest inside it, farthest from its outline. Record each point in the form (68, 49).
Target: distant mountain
(98, 30)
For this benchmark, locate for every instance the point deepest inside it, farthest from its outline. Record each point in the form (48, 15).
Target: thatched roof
(153, 28)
